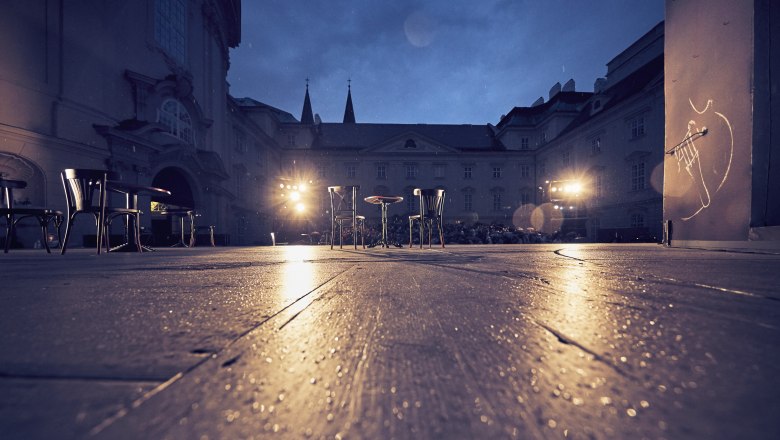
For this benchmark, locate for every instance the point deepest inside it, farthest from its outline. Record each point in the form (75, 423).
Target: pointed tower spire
(349, 112)
(306, 116)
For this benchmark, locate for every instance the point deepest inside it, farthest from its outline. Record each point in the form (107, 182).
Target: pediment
(409, 143)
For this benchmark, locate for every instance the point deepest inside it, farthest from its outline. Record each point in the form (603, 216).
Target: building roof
(623, 90)
(530, 116)
(281, 115)
(361, 136)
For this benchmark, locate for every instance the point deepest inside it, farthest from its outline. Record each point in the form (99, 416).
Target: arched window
(176, 120)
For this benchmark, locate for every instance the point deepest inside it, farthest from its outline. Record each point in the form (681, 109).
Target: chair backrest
(8, 190)
(431, 202)
(85, 190)
(342, 200)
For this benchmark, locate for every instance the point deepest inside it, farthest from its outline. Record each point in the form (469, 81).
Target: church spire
(349, 112)
(306, 116)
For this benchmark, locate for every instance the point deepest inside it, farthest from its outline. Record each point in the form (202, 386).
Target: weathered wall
(709, 69)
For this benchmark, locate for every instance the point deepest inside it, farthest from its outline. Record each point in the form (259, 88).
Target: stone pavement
(502, 341)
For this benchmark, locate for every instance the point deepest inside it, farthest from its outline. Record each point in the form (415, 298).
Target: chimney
(556, 88)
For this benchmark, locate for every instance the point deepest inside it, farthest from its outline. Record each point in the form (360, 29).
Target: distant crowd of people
(457, 233)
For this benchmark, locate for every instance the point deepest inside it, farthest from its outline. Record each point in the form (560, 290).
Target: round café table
(383, 201)
(132, 230)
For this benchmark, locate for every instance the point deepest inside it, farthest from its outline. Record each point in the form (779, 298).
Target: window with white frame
(595, 145)
(525, 197)
(637, 126)
(381, 171)
(638, 176)
(170, 28)
(468, 200)
(525, 171)
(599, 184)
(637, 220)
(351, 171)
(497, 201)
(411, 200)
(496, 172)
(523, 143)
(240, 141)
(467, 172)
(411, 170)
(176, 120)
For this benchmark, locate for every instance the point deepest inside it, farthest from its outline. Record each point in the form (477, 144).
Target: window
(290, 140)
(525, 171)
(170, 28)
(410, 144)
(411, 170)
(566, 158)
(496, 172)
(468, 199)
(638, 176)
(599, 185)
(525, 197)
(411, 200)
(524, 143)
(637, 127)
(542, 169)
(467, 172)
(637, 220)
(381, 171)
(438, 171)
(351, 171)
(174, 117)
(258, 153)
(544, 137)
(322, 171)
(240, 140)
(496, 201)
(595, 145)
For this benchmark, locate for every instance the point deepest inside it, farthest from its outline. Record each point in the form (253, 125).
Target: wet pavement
(504, 341)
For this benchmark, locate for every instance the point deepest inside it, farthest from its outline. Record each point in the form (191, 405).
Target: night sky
(440, 61)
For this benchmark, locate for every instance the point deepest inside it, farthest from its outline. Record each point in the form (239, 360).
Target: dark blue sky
(441, 61)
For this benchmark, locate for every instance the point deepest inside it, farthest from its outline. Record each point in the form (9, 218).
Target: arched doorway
(164, 231)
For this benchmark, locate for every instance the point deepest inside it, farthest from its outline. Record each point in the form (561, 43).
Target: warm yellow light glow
(281, 185)
(295, 196)
(302, 187)
(300, 207)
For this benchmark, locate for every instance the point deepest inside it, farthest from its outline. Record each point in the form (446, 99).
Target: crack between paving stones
(163, 386)
(569, 341)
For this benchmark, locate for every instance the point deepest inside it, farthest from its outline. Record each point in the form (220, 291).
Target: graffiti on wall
(704, 157)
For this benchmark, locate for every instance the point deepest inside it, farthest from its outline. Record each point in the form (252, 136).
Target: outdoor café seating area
(100, 199)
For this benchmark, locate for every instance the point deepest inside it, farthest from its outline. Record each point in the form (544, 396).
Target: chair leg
(422, 232)
(68, 230)
(430, 231)
(9, 228)
(58, 224)
(441, 233)
(411, 223)
(332, 232)
(44, 222)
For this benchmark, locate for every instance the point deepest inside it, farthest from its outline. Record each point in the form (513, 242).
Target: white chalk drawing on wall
(707, 161)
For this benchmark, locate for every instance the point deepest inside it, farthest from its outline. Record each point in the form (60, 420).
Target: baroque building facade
(140, 88)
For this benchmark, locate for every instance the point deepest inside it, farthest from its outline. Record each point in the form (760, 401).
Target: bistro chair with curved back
(86, 192)
(13, 214)
(431, 211)
(343, 208)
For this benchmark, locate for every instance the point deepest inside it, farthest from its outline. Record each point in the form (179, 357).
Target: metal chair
(431, 211)
(14, 214)
(343, 208)
(86, 192)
